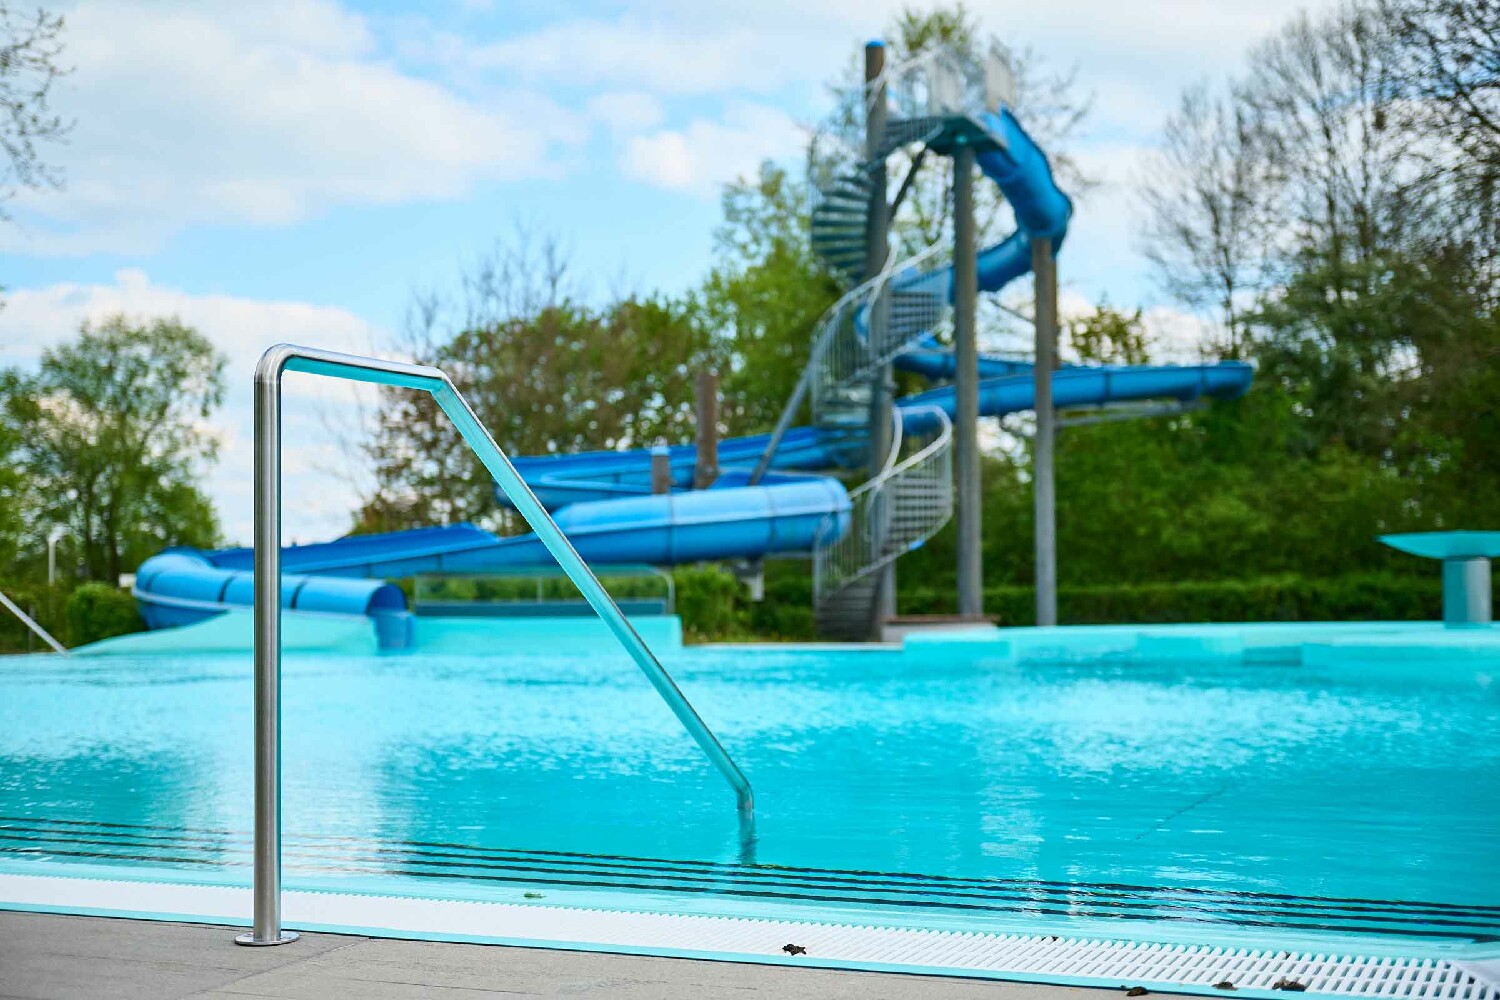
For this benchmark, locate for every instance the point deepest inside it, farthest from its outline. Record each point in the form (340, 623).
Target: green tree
(764, 294)
(1108, 336)
(30, 47)
(1406, 371)
(564, 379)
(114, 439)
(1448, 74)
(1209, 193)
(17, 501)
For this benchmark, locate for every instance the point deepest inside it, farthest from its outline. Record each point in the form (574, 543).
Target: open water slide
(603, 499)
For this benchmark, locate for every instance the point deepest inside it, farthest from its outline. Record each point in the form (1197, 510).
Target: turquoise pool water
(937, 782)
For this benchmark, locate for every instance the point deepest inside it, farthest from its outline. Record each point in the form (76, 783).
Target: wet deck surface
(48, 957)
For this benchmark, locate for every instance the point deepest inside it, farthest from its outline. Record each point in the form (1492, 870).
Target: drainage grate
(1022, 957)
(1034, 899)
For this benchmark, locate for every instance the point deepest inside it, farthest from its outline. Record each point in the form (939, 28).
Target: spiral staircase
(877, 320)
(912, 496)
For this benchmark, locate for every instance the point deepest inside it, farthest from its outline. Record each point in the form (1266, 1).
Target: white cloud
(321, 480)
(1173, 336)
(627, 112)
(706, 153)
(219, 113)
(662, 57)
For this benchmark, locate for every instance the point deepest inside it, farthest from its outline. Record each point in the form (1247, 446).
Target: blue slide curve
(603, 501)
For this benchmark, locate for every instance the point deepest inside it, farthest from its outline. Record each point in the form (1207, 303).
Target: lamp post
(52, 540)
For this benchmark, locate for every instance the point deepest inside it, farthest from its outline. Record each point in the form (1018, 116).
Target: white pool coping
(1037, 958)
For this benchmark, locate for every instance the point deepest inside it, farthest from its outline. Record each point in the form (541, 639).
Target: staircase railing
(282, 358)
(936, 99)
(867, 329)
(845, 355)
(890, 515)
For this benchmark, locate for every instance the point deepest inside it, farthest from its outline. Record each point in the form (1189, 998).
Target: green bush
(97, 611)
(622, 586)
(44, 604)
(786, 612)
(710, 603)
(1355, 597)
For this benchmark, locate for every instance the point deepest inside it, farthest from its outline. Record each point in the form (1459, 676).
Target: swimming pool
(947, 783)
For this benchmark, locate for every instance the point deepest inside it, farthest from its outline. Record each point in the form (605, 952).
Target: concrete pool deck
(52, 957)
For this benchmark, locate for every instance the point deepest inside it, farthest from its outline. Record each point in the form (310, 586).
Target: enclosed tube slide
(347, 576)
(181, 586)
(558, 480)
(604, 501)
(1041, 210)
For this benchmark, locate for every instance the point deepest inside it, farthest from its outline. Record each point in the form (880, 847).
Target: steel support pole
(661, 470)
(1467, 592)
(266, 928)
(706, 415)
(966, 379)
(877, 234)
(1044, 268)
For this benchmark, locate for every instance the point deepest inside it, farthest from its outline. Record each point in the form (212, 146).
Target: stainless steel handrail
(31, 624)
(267, 929)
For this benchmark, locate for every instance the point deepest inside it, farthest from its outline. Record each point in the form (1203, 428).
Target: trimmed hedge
(786, 614)
(98, 611)
(529, 588)
(715, 607)
(1356, 597)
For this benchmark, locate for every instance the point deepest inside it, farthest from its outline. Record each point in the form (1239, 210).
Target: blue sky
(294, 171)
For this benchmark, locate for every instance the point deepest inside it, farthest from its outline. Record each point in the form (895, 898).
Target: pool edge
(1031, 958)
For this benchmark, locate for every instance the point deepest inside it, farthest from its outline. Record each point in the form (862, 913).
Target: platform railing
(282, 358)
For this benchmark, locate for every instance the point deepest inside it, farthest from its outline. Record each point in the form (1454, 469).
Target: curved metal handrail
(273, 364)
(943, 439)
(829, 326)
(867, 545)
(898, 436)
(822, 338)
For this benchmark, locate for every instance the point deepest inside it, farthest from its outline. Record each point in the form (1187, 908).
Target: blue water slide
(181, 586)
(604, 501)
(1040, 207)
(936, 362)
(1085, 386)
(347, 576)
(596, 476)
(559, 480)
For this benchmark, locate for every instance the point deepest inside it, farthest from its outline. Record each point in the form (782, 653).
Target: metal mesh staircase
(934, 101)
(839, 217)
(890, 515)
(912, 498)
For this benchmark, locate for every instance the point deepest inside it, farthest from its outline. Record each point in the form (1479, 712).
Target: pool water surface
(926, 781)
